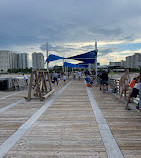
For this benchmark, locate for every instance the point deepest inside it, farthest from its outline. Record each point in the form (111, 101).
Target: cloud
(59, 49)
(31, 22)
(105, 51)
(71, 27)
(88, 47)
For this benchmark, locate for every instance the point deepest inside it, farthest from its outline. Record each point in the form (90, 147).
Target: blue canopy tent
(52, 57)
(88, 57)
(70, 65)
(83, 64)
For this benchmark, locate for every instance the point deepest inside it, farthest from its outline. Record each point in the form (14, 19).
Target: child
(64, 78)
(88, 83)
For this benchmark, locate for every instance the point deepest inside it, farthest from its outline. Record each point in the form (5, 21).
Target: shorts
(134, 93)
(99, 80)
(130, 89)
(140, 97)
(103, 82)
(55, 79)
(124, 87)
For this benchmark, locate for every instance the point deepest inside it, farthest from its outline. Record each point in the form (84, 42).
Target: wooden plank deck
(125, 125)
(68, 128)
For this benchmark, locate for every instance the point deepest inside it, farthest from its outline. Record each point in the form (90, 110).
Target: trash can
(3, 85)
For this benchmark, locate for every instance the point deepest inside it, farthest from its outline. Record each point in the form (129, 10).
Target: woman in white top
(135, 91)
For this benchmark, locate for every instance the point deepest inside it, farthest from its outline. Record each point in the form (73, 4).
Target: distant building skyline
(12, 60)
(133, 61)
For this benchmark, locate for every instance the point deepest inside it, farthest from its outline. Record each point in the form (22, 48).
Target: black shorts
(55, 79)
(134, 93)
(104, 82)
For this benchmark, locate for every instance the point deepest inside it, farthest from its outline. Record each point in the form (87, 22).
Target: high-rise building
(137, 58)
(114, 63)
(7, 60)
(128, 61)
(23, 60)
(122, 63)
(37, 61)
(133, 61)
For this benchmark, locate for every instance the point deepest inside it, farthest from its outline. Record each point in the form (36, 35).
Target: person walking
(26, 79)
(64, 78)
(74, 75)
(55, 78)
(79, 75)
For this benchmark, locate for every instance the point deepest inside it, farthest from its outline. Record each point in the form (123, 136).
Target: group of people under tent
(55, 77)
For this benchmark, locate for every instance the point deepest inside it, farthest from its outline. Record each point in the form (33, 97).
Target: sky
(71, 27)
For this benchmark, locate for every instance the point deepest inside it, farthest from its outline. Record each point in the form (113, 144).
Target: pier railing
(115, 88)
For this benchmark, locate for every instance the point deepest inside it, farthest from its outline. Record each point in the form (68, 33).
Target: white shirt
(25, 77)
(137, 85)
(56, 75)
(79, 73)
(64, 77)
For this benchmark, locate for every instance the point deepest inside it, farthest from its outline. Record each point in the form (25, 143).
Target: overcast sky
(72, 26)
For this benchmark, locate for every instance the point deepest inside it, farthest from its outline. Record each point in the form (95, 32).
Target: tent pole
(63, 65)
(96, 60)
(47, 54)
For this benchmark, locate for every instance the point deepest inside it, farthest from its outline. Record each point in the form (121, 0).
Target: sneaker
(127, 108)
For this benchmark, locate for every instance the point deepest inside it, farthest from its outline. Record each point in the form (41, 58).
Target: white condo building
(133, 61)
(7, 60)
(11, 60)
(23, 60)
(115, 64)
(37, 61)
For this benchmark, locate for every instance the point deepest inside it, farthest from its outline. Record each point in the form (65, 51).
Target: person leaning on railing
(139, 105)
(104, 82)
(135, 91)
(124, 83)
(131, 86)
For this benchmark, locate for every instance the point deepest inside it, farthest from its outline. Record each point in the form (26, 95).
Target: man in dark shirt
(104, 78)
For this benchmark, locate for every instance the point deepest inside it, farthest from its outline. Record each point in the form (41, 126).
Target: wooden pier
(75, 122)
